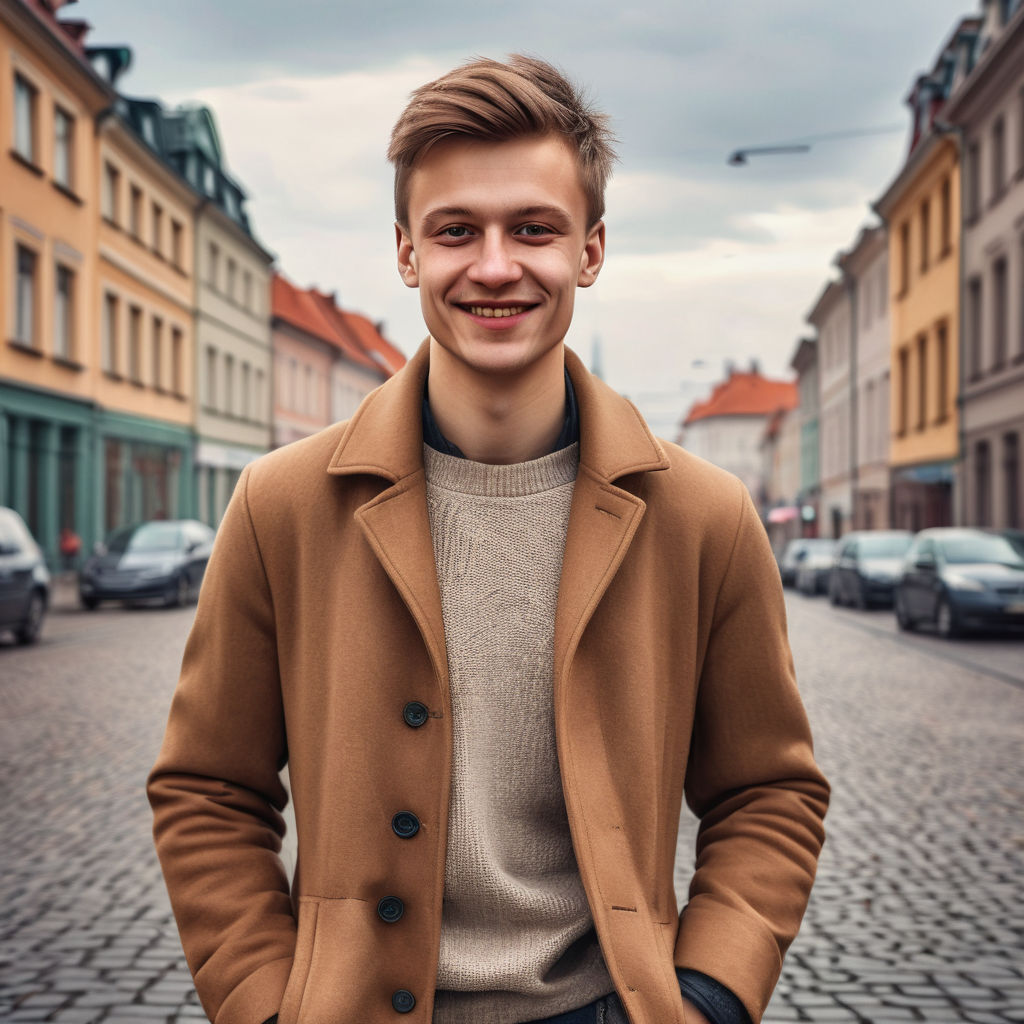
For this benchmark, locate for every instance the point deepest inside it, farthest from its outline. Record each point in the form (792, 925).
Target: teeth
(496, 311)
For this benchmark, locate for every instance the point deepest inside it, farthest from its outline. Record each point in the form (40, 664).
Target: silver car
(24, 579)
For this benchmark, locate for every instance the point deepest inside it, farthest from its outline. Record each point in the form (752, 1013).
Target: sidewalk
(64, 592)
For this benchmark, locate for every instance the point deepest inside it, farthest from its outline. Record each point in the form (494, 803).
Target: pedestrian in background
(70, 545)
(498, 631)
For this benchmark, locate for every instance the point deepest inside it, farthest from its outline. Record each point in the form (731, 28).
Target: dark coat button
(390, 909)
(405, 824)
(415, 714)
(403, 1001)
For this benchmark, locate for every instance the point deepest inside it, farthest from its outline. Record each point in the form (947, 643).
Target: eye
(534, 230)
(454, 231)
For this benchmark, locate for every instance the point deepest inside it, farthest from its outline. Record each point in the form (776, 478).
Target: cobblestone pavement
(917, 914)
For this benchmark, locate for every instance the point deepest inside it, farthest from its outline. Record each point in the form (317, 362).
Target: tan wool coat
(318, 642)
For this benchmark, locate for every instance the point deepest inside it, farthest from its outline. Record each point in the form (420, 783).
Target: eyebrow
(441, 213)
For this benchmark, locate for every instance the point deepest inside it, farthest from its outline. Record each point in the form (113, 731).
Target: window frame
(25, 87)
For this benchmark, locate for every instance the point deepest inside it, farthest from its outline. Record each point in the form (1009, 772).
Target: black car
(163, 559)
(24, 579)
(815, 566)
(960, 579)
(867, 565)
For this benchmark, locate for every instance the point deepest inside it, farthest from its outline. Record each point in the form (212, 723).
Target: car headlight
(960, 582)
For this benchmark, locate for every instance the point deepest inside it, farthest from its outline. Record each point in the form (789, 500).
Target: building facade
(805, 363)
(921, 210)
(831, 319)
(727, 428)
(865, 270)
(987, 105)
(49, 100)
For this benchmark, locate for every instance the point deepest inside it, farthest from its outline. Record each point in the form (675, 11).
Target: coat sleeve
(216, 792)
(753, 782)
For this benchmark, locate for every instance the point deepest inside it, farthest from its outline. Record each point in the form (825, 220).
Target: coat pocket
(291, 1004)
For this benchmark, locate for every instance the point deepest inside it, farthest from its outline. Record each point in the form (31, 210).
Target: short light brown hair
(487, 100)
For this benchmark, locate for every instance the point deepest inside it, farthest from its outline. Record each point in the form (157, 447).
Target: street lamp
(738, 157)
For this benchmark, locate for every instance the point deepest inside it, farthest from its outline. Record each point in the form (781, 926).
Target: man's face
(497, 244)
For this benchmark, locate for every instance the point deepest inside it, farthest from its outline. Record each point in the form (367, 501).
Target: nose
(494, 264)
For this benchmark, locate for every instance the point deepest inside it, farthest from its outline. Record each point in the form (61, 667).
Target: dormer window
(209, 180)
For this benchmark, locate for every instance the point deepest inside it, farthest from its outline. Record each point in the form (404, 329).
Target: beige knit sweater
(517, 937)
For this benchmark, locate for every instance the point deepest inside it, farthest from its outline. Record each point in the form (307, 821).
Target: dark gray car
(24, 579)
(961, 579)
(163, 559)
(867, 565)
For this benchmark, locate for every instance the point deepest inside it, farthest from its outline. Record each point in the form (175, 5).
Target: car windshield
(819, 546)
(884, 547)
(148, 537)
(980, 548)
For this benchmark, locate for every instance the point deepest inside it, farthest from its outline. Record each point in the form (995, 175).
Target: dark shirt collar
(569, 434)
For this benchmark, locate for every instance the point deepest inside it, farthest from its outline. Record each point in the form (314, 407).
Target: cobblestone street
(917, 915)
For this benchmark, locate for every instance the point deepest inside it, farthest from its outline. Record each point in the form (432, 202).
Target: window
(25, 297)
(257, 398)
(974, 321)
(232, 274)
(247, 289)
(904, 257)
(946, 215)
(1000, 299)
(903, 412)
(63, 148)
(973, 181)
(998, 158)
(1011, 480)
(177, 248)
(922, 380)
(211, 377)
(135, 345)
(111, 188)
(942, 368)
(177, 361)
(926, 213)
(213, 265)
(135, 212)
(25, 118)
(982, 483)
(64, 314)
(229, 385)
(245, 392)
(109, 356)
(157, 352)
(158, 229)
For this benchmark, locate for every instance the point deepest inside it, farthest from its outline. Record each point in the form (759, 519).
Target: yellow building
(49, 99)
(96, 289)
(922, 211)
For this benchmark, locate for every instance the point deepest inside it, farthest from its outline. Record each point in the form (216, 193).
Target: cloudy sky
(706, 262)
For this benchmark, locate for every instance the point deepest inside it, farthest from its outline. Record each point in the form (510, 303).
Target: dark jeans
(606, 1010)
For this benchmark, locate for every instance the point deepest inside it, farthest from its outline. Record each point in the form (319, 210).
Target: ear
(406, 258)
(592, 258)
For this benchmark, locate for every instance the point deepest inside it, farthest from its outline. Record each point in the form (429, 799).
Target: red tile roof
(318, 314)
(745, 394)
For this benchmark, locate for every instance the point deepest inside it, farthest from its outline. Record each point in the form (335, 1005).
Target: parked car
(24, 579)
(960, 579)
(792, 555)
(815, 567)
(866, 566)
(163, 559)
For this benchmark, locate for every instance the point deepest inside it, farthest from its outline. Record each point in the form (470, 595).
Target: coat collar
(385, 436)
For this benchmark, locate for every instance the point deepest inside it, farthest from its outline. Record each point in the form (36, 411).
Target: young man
(498, 631)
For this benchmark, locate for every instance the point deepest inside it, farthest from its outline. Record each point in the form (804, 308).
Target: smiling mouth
(493, 310)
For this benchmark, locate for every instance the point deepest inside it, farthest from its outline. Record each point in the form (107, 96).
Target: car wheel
(946, 624)
(861, 599)
(89, 603)
(833, 594)
(178, 593)
(903, 619)
(28, 632)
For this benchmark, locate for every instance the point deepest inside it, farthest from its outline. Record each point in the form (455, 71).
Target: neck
(498, 419)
